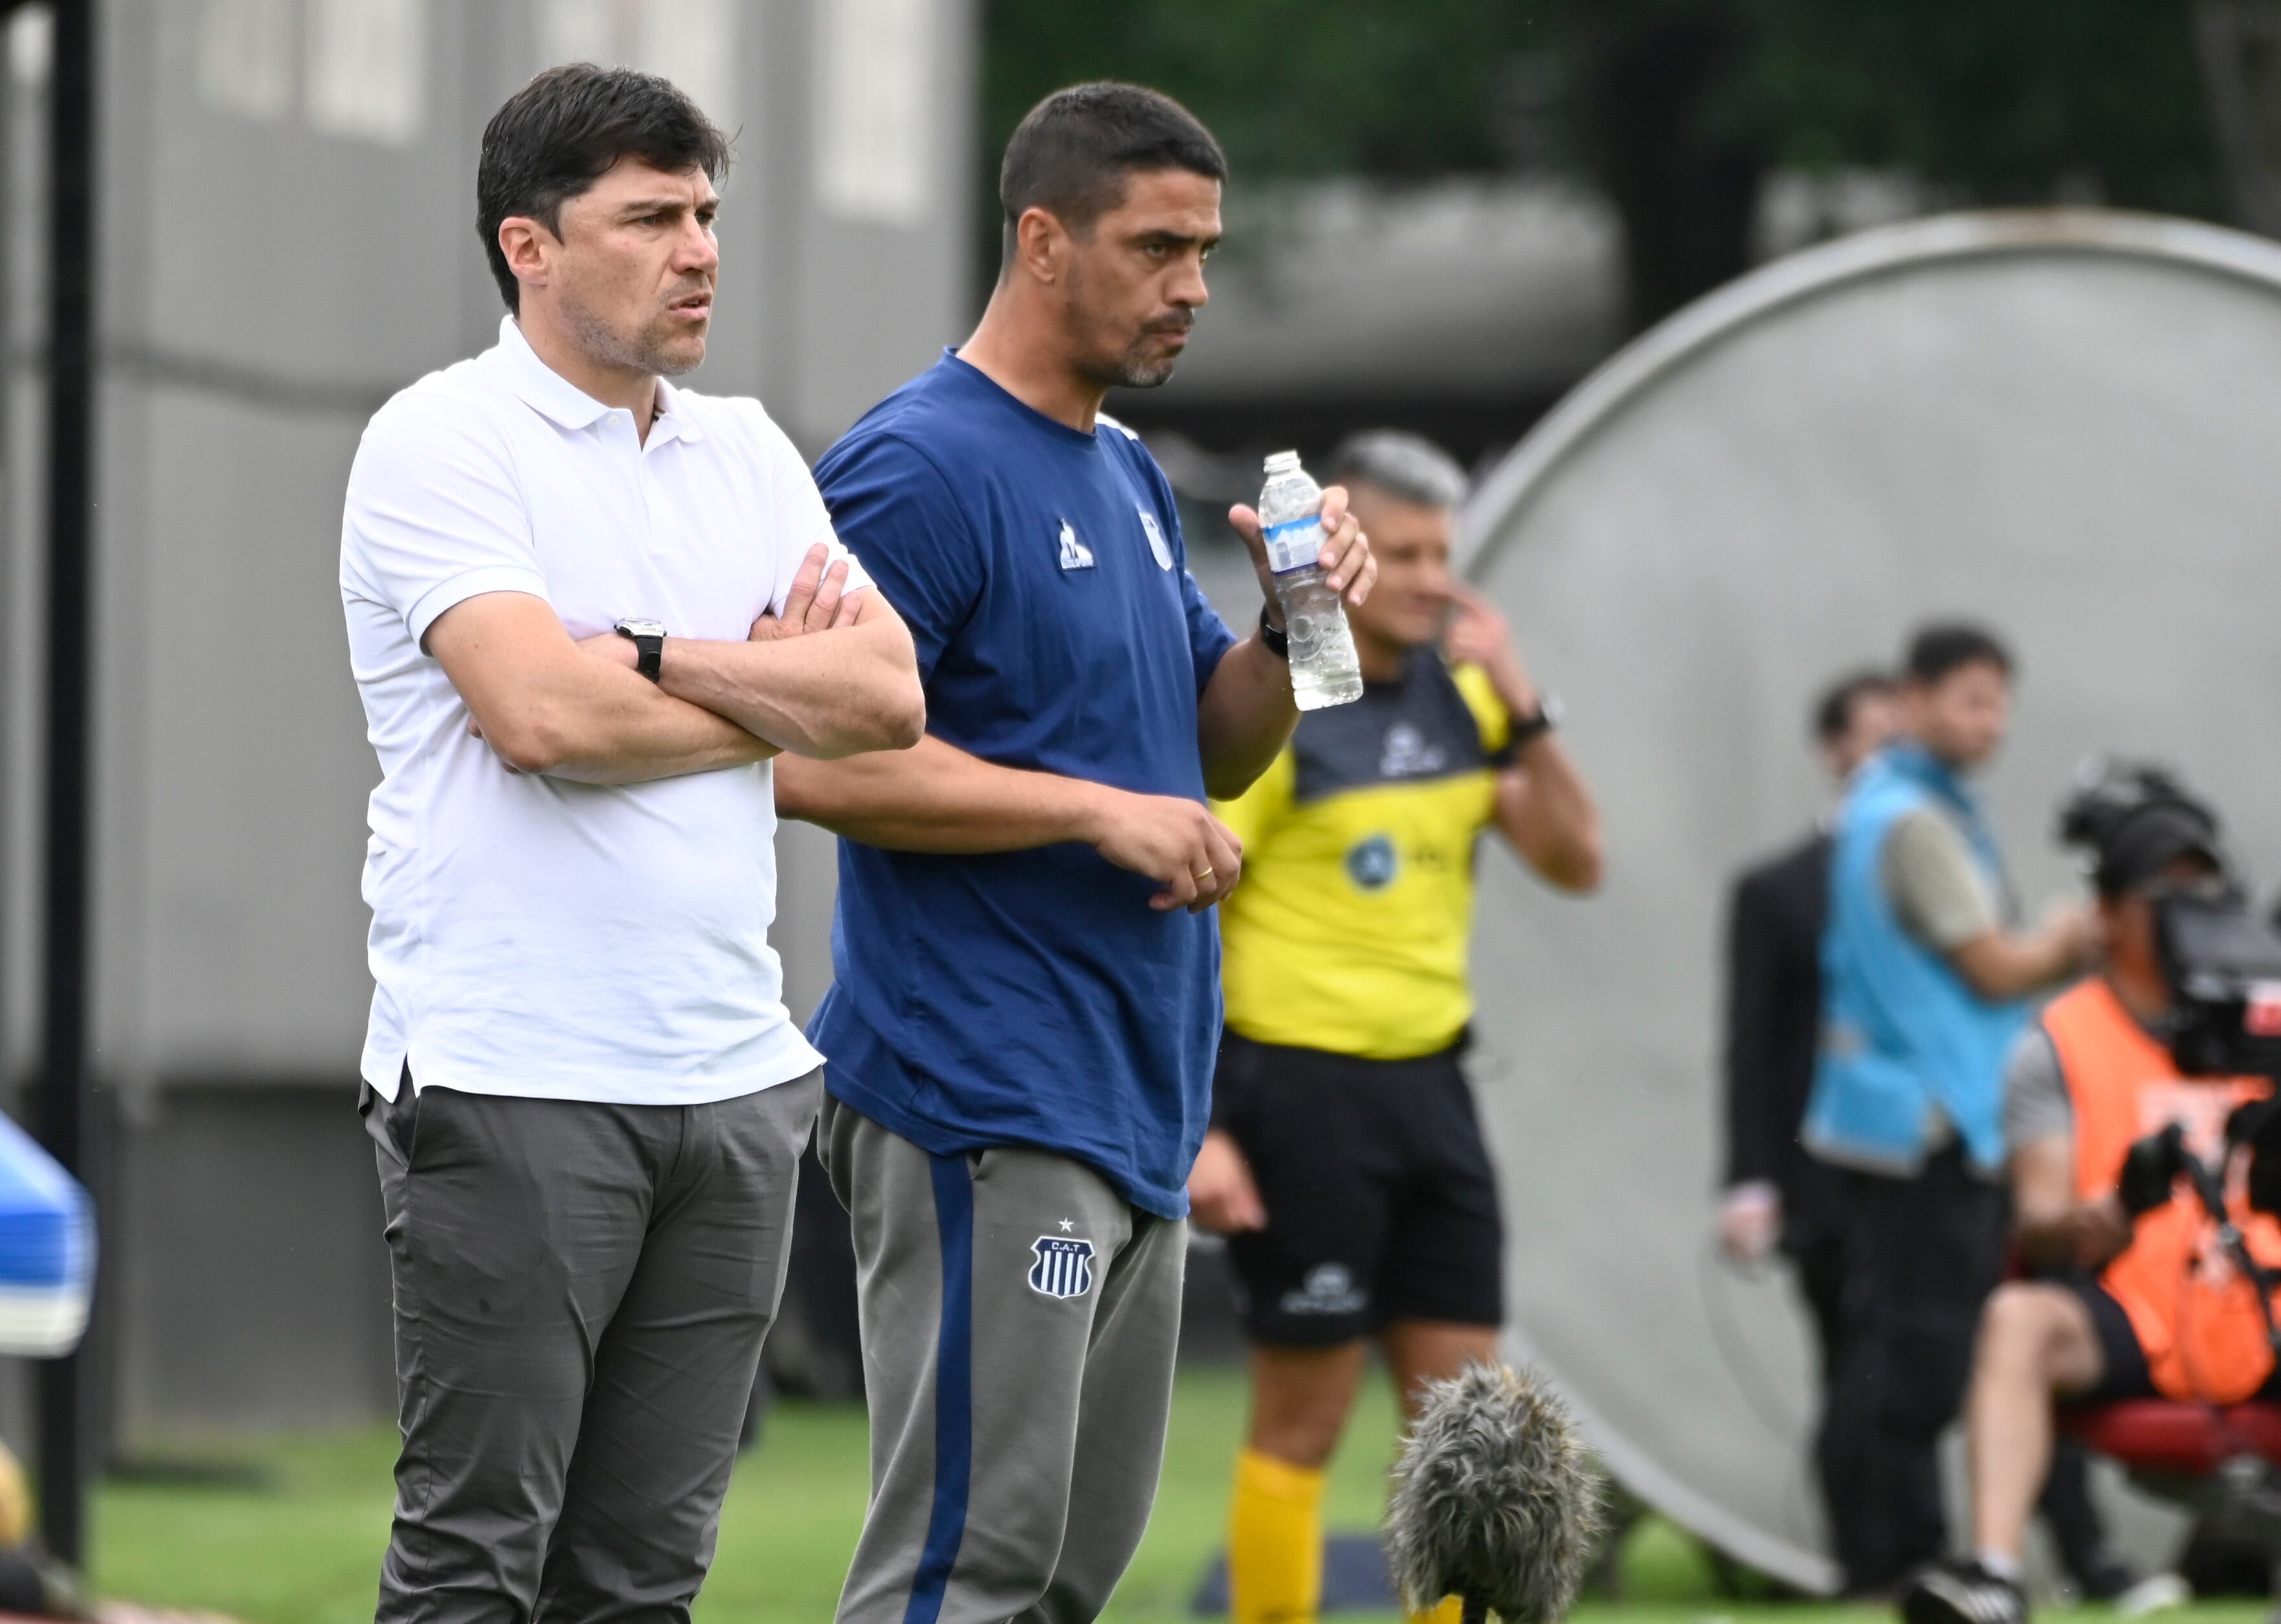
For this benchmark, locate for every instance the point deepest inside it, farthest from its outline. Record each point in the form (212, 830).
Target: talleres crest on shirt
(1063, 1266)
(1149, 528)
(1074, 553)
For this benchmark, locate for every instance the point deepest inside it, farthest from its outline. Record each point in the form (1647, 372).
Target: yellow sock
(1274, 1542)
(1450, 1611)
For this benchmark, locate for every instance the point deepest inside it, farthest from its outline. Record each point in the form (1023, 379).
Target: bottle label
(1294, 544)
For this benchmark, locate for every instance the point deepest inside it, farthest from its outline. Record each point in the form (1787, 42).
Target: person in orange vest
(2140, 1300)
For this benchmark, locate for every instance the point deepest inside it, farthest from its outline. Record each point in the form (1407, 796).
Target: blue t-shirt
(1032, 997)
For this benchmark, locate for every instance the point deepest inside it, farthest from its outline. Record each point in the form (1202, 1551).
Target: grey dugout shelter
(284, 194)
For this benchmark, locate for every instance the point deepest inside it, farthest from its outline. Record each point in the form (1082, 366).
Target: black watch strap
(1536, 724)
(1278, 640)
(649, 649)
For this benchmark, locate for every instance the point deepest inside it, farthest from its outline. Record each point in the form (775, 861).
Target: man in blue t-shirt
(1021, 1030)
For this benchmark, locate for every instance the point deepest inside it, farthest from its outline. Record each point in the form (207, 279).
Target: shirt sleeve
(1490, 714)
(798, 519)
(1935, 888)
(1250, 816)
(1755, 986)
(1209, 638)
(435, 513)
(892, 507)
(2036, 1103)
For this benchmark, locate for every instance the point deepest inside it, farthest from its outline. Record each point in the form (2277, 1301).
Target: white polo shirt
(530, 935)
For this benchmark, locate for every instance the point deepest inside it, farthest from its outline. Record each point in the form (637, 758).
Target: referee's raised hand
(1175, 842)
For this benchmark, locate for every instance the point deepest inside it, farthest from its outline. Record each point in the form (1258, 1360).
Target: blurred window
(245, 57)
(368, 69)
(873, 109)
(692, 42)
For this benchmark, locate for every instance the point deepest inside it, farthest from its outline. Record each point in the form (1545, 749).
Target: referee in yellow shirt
(1345, 1162)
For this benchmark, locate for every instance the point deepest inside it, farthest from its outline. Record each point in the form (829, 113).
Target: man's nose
(1187, 289)
(696, 250)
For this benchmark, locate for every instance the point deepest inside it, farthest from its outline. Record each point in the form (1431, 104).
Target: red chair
(2217, 1461)
(2164, 1438)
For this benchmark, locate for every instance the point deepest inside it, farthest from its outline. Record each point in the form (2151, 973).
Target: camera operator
(2098, 1118)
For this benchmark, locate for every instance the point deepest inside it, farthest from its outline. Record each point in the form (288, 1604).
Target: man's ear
(1041, 244)
(527, 243)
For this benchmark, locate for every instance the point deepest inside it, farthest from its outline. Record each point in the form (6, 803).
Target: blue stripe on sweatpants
(953, 1389)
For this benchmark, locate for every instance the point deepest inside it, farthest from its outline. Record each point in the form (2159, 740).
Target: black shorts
(1381, 1202)
(2122, 1361)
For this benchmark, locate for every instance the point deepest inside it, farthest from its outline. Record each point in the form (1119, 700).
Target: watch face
(642, 628)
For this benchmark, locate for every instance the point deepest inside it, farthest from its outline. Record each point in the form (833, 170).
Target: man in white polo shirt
(584, 609)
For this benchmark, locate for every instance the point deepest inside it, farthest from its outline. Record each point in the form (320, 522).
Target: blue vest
(1902, 1033)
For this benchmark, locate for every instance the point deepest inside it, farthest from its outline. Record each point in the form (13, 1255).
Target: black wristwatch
(1276, 640)
(1537, 723)
(648, 639)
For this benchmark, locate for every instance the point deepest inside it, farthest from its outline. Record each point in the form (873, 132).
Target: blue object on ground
(1354, 1579)
(47, 1249)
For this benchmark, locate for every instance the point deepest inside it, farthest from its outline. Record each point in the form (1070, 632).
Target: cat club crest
(1063, 1266)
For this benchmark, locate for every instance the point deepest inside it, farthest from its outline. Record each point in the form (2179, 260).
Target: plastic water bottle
(1323, 669)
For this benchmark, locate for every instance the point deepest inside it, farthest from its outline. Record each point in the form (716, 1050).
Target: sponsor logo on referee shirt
(1407, 755)
(1372, 863)
(1329, 1288)
(1074, 553)
(1063, 1266)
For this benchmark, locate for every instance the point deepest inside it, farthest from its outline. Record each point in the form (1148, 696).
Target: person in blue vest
(1923, 980)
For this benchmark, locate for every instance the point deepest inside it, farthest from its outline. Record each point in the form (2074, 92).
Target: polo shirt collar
(553, 396)
(674, 421)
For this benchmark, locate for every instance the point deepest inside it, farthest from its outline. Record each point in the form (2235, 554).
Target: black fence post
(72, 169)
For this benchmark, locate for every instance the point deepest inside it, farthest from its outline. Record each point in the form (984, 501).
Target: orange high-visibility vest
(2195, 1315)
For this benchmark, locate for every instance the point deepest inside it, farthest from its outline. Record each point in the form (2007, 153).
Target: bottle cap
(1282, 462)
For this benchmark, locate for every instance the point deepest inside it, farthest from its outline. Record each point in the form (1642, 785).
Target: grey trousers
(581, 1292)
(1019, 1322)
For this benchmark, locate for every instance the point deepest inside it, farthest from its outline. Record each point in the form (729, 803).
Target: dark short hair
(1937, 650)
(563, 131)
(1833, 712)
(1071, 152)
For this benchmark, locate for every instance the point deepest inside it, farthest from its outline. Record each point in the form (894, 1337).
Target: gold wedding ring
(1199, 878)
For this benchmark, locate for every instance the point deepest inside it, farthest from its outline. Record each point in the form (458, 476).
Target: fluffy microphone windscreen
(1495, 1500)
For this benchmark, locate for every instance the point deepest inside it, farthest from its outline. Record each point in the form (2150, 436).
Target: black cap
(2140, 846)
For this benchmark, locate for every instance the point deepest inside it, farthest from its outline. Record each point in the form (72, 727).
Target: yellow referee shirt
(1350, 929)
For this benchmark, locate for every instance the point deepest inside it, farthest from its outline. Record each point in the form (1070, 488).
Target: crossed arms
(833, 676)
(939, 798)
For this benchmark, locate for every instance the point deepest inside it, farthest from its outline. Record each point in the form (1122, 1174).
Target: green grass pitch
(305, 1547)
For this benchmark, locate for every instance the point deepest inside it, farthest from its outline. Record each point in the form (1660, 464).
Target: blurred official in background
(1921, 983)
(1776, 1194)
(1024, 1004)
(585, 608)
(2133, 1300)
(1345, 1161)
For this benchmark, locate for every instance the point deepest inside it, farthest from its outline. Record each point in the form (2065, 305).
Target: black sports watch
(648, 639)
(1537, 723)
(1276, 640)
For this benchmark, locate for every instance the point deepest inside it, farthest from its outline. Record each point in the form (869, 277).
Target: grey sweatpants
(1019, 1321)
(581, 1291)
